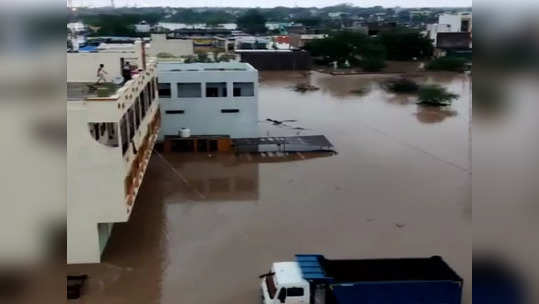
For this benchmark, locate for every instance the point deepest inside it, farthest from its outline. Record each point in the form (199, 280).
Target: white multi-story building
(111, 131)
(161, 44)
(209, 99)
(450, 23)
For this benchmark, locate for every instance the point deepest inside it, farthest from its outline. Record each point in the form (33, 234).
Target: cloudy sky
(273, 3)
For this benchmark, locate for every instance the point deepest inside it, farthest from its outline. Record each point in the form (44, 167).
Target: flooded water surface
(205, 226)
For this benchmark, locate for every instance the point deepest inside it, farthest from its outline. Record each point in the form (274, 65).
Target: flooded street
(204, 227)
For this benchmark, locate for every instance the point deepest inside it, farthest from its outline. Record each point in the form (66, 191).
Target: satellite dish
(118, 80)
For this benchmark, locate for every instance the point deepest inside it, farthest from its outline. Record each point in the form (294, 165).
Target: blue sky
(273, 3)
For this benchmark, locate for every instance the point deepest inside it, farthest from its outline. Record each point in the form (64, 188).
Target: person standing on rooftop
(101, 74)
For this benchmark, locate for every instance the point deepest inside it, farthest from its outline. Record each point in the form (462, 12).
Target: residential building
(277, 60)
(298, 41)
(111, 131)
(450, 23)
(143, 27)
(455, 44)
(178, 47)
(252, 43)
(209, 99)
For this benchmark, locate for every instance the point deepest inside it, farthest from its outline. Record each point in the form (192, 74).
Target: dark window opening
(164, 90)
(175, 112)
(244, 89)
(124, 134)
(230, 111)
(183, 146)
(216, 89)
(137, 113)
(189, 90)
(294, 292)
(131, 122)
(143, 105)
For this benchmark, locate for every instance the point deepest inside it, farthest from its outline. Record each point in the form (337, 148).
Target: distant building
(456, 44)
(336, 15)
(280, 60)
(252, 43)
(298, 41)
(176, 47)
(450, 23)
(209, 99)
(374, 28)
(111, 132)
(143, 27)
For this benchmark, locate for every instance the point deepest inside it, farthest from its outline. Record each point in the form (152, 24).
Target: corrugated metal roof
(311, 267)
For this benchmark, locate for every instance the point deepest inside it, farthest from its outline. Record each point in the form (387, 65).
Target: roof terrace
(204, 67)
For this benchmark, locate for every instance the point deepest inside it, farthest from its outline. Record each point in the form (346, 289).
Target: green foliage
(401, 85)
(372, 64)
(252, 22)
(402, 44)
(210, 17)
(311, 21)
(454, 64)
(354, 47)
(114, 25)
(435, 95)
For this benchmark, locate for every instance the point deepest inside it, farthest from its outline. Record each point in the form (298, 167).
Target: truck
(313, 279)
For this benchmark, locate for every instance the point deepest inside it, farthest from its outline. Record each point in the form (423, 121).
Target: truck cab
(284, 284)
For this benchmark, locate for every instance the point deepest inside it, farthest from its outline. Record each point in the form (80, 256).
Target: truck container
(313, 279)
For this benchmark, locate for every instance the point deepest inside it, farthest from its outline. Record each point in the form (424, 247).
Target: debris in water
(304, 87)
(279, 122)
(74, 285)
(400, 226)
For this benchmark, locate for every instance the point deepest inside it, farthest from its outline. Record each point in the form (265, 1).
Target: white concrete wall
(96, 172)
(176, 47)
(203, 115)
(454, 21)
(82, 67)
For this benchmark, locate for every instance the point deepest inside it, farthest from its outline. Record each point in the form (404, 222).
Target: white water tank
(185, 132)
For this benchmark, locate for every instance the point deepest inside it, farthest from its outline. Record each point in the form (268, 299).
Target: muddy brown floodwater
(204, 227)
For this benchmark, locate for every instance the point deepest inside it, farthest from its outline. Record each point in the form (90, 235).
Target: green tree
(402, 44)
(435, 95)
(356, 48)
(252, 22)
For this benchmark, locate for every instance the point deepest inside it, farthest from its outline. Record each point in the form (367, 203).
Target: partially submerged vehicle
(313, 279)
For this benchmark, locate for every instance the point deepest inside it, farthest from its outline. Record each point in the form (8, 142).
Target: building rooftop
(77, 91)
(204, 67)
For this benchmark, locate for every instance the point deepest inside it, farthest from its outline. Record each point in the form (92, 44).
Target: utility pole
(112, 3)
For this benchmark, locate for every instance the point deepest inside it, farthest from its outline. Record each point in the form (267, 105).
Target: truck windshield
(271, 286)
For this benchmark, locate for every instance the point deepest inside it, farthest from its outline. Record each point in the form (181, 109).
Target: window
(189, 90)
(164, 90)
(131, 122)
(244, 89)
(143, 104)
(137, 113)
(175, 111)
(124, 134)
(230, 111)
(148, 92)
(216, 89)
(152, 90)
(294, 292)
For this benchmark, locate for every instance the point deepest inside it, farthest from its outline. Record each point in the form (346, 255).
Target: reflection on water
(430, 114)
(398, 187)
